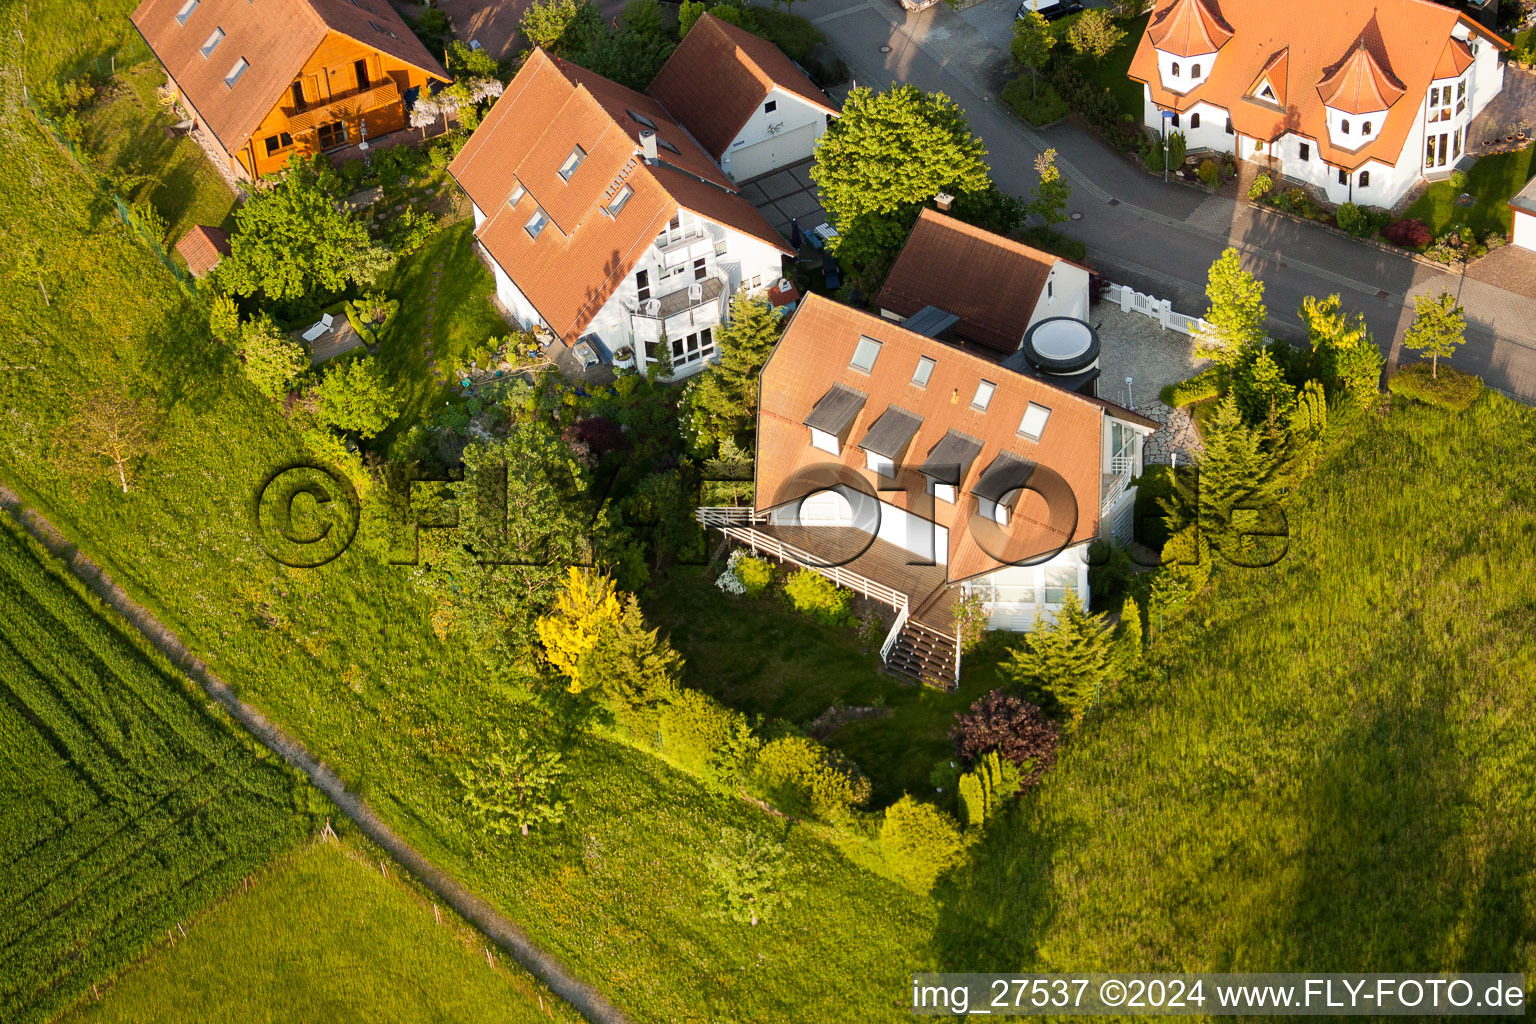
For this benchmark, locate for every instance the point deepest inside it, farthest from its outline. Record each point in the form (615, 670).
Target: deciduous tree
(293, 239)
(886, 155)
(1032, 43)
(1439, 327)
(563, 26)
(749, 875)
(1051, 192)
(1013, 727)
(273, 361)
(920, 842)
(355, 397)
(1094, 34)
(515, 788)
(1236, 316)
(108, 431)
(1346, 353)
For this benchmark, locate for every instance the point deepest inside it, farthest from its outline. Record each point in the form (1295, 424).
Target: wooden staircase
(923, 655)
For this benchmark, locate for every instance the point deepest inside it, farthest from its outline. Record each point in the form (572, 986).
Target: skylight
(186, 11)
(865, 355)
(641, 120)
(235, 72)
(664, 144)
(213, 41)
(517, 195)
(619, 199)
(923, 372)
(380, 28)
(571, 163)
(536, 223)
(983, 396)
(1033, 423)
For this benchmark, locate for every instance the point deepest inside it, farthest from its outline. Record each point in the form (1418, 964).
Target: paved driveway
(1163, 238)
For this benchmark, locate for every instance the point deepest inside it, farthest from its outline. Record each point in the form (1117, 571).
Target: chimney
(942, 201)
(648, 145)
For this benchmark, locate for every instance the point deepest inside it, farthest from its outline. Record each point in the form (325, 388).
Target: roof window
(186, 11)
(536, 223)
(381, 29)
(983, 396)
(865, 354)
(517, 195)
(1033, 423)
(571, 163)
(620, 197)
(664, 144)
(641, 120)
(923, 371)
(212, 43)
(235, 72)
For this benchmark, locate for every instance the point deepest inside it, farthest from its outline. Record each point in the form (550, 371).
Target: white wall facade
(1181, 74)
(690, 247)
(791, 130)
(1018, 597)
(1386, 182)
(846, 507)
(1065, 294)
(1525, 230)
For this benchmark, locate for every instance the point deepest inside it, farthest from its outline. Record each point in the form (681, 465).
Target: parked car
(1051, 9)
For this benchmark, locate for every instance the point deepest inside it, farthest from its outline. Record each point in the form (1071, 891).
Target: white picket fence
(1132, 301)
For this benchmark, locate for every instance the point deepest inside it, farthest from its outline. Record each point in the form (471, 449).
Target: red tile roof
(202, 248)
(1188, 28)
(815, 354)
(719, 75)
(1360, 84)
(1305, 42)
(276, 37)
(579, 259)
(990, 282)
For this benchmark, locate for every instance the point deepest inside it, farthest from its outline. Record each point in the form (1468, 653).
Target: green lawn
(1110, 73)
(761, 656)
(323, 935)
(1492, 182)
(127, 803)
(124, 129)
(464, 319)
(1329, 766)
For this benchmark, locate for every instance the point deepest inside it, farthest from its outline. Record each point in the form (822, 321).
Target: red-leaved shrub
(1013, 727)
(1409, 233)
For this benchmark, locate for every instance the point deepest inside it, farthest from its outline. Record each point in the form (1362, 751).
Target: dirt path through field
(587, 1001)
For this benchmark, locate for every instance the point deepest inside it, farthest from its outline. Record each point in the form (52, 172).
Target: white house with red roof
(605, 221)
(758, 111)
(1361, 98)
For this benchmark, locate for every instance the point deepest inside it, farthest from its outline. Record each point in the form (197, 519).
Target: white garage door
(773, 153)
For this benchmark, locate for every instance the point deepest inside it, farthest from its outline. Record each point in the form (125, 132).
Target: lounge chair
(320, 328)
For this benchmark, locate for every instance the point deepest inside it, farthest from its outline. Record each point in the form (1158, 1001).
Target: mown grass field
(324, 935)
(1330, 767)
(128, 805)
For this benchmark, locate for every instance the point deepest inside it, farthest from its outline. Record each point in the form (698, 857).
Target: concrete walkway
(1162, 238)
(590, 1003)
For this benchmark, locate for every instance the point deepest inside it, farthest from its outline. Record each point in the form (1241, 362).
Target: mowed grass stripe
(169, 807)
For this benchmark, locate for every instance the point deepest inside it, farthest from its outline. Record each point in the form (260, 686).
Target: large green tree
(1236, 317)
(887, 155)
(1051, 192)
(356, 397)
(722, 403)
(292, 238)
(1438, 328)
(272, 360)
(1094, 34)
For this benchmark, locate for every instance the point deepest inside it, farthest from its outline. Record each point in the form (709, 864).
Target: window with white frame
(235, 72)
(186, 11)
(865, 354)
(571, 163)
(212, 44)
(620, 197)
(983, 396)
(1122, 448)
(536, 223)
(1058, 580)
(1035, 418)
(517, 195)
(923, 371)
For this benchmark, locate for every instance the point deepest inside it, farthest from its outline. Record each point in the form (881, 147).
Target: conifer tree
(1070, 658)
(723, 401)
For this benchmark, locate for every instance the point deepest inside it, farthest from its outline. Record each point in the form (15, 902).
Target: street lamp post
(1167, 117)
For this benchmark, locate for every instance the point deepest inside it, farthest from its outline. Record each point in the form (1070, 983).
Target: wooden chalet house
(263, 80)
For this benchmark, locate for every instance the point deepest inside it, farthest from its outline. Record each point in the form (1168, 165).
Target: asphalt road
(1163, 238)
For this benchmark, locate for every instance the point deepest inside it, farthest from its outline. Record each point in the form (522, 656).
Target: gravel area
(1136, 346)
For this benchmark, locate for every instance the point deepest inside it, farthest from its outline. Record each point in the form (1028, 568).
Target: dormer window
(235, 72)
(983, 396)
(1035, 418)
(186, 11)
(571, 163)
(880, 464)
(1175, 69)
(212, 44)
(865, 354)
(1267, 93)
(923, 371)
(825, 442)
(536, 223)
(943, 492)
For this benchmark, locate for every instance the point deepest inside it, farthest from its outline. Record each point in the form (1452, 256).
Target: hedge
(1453, 389)
(1203, 385)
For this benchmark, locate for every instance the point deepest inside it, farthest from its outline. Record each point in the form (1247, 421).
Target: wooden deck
(932, 599)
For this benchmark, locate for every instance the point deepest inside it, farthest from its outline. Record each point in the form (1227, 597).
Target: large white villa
(1360, 98)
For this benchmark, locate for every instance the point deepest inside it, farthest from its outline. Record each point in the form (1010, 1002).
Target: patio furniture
(320, 328)
(821, 234)
(585, 355)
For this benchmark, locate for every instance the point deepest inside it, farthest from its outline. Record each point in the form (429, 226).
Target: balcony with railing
(342, 106)
(681, 312)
